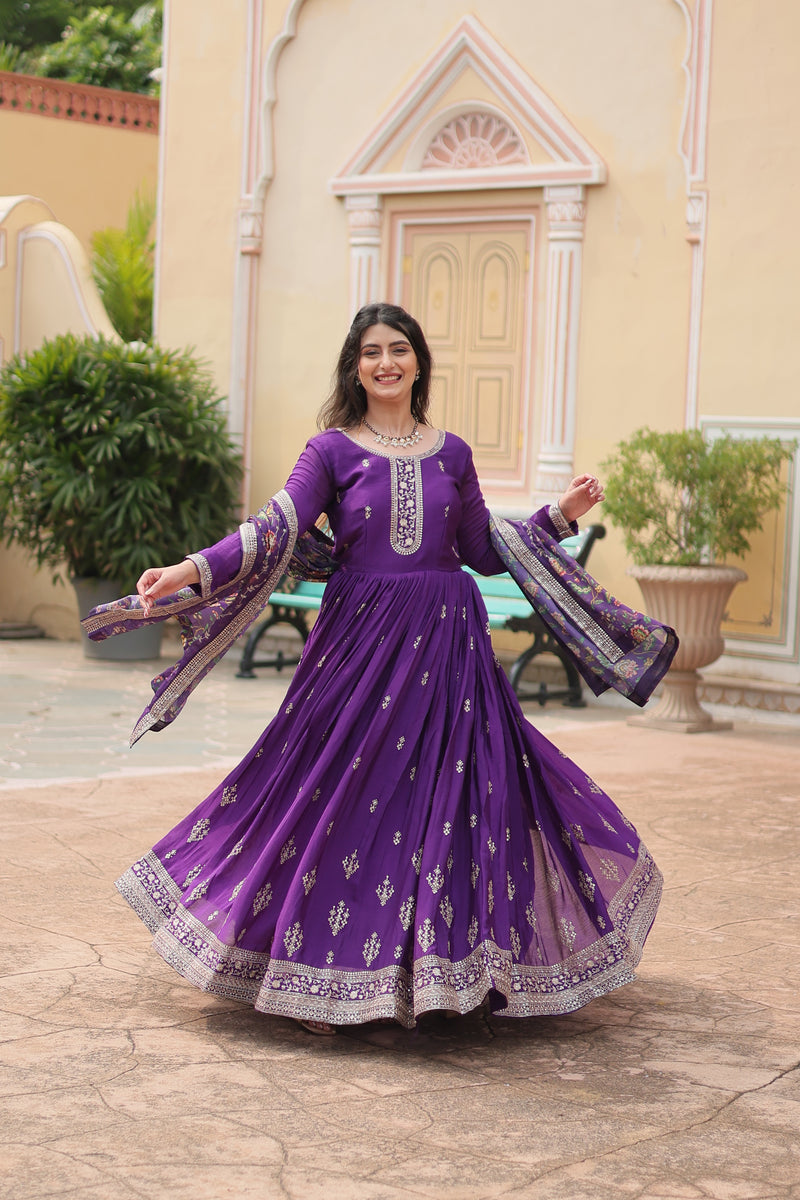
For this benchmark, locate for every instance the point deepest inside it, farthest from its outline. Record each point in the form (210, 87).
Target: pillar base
(677, 726)
(679, 710)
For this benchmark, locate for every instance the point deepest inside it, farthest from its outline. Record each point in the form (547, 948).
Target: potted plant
(686, 505)
(113, 458)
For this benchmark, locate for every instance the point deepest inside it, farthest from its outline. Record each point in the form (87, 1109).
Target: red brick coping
(78, 102)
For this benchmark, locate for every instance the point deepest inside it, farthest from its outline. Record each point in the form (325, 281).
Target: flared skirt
(400, 838)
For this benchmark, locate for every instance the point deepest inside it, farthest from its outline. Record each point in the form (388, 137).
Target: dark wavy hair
(347, 402)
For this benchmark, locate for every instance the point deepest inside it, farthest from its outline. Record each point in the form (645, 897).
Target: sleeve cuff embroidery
(206, 582)
(560, 522)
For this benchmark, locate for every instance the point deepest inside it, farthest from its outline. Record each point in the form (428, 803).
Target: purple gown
(400, 838)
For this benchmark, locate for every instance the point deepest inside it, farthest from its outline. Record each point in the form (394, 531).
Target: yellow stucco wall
(202, 124)
(86, 178)
(620, 73)
(616, 71)
(750, 362)
(46, 289)
(636, 259)
(87, 175)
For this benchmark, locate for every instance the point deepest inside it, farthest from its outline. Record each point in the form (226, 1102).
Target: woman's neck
(389, 420)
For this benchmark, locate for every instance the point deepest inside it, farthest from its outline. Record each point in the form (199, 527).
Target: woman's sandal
(321, 1028)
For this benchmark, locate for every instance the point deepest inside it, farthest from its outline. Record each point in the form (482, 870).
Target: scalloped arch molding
(564, 144)
(695, 66)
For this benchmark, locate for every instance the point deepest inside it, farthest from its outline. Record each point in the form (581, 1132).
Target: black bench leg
(517, 670)
(248, 663)
(574, 689)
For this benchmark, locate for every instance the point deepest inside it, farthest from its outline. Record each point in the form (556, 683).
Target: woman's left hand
(582, 494)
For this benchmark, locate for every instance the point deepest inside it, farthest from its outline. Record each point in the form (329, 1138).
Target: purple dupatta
(612, 645)
(210, 623)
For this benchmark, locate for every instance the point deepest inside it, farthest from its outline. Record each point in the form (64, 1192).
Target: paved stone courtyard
(120, 1081)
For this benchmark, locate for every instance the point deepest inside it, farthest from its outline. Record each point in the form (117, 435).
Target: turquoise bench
(289, 606)
(508, 609)
(295, 601)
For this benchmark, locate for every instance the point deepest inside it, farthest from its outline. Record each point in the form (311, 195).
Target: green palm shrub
(681, 500)
(12, 58)
(123, 269)
(113, 457)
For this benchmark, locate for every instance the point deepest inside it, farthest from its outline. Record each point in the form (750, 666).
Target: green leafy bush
(106, 49)
(122, 266)
(28, 24)
(681, 500)
(32, 24)
(113, 457)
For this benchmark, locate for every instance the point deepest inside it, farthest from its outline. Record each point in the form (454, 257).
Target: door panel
(489, 427)
(440, 271)
(499, 296)
(444, 410)
(468, 282)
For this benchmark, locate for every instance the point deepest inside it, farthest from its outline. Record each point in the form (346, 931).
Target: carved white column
(566, 212)
(364, 219)
(249, 237)
(696, 215)
(249, 240)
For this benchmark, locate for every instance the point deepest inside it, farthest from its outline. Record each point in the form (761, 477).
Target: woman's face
(387, 366)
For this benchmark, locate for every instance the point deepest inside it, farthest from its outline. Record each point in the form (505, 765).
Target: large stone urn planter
(692, 600)
(140, 645)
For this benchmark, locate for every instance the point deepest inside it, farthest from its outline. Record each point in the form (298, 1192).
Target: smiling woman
(387, 371)
(399, 839)
(383, 375)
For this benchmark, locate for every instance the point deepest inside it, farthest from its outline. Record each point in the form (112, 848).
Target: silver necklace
(385, 439)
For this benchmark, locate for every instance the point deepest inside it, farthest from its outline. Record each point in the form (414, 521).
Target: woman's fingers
(165, 581)
(151, 585)
(143, 583)
(582, 494)
(591, 486)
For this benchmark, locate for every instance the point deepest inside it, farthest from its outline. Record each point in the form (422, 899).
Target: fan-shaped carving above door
(470, 106)
(472, 140)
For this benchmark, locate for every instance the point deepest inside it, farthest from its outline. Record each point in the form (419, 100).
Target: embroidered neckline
(407, 508)
(385, 454)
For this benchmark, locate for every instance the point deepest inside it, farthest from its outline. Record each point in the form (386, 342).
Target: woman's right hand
(165, 581)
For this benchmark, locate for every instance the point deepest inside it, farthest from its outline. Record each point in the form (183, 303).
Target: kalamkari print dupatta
(612, 645)
(209, 623)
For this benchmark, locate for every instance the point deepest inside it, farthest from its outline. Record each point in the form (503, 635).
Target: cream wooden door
(468, 285)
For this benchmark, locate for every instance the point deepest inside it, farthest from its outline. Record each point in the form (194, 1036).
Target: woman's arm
(310, 490)
(558, 520)
(165, 581)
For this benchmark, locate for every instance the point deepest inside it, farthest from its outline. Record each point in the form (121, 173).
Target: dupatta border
(107, 615)
(188, 673)
(557, 592)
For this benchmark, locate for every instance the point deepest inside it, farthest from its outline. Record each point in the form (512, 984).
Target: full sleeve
(474, 542)
(309, 489)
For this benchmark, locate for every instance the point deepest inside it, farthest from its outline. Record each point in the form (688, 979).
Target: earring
(358, 381)
(417, 375)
